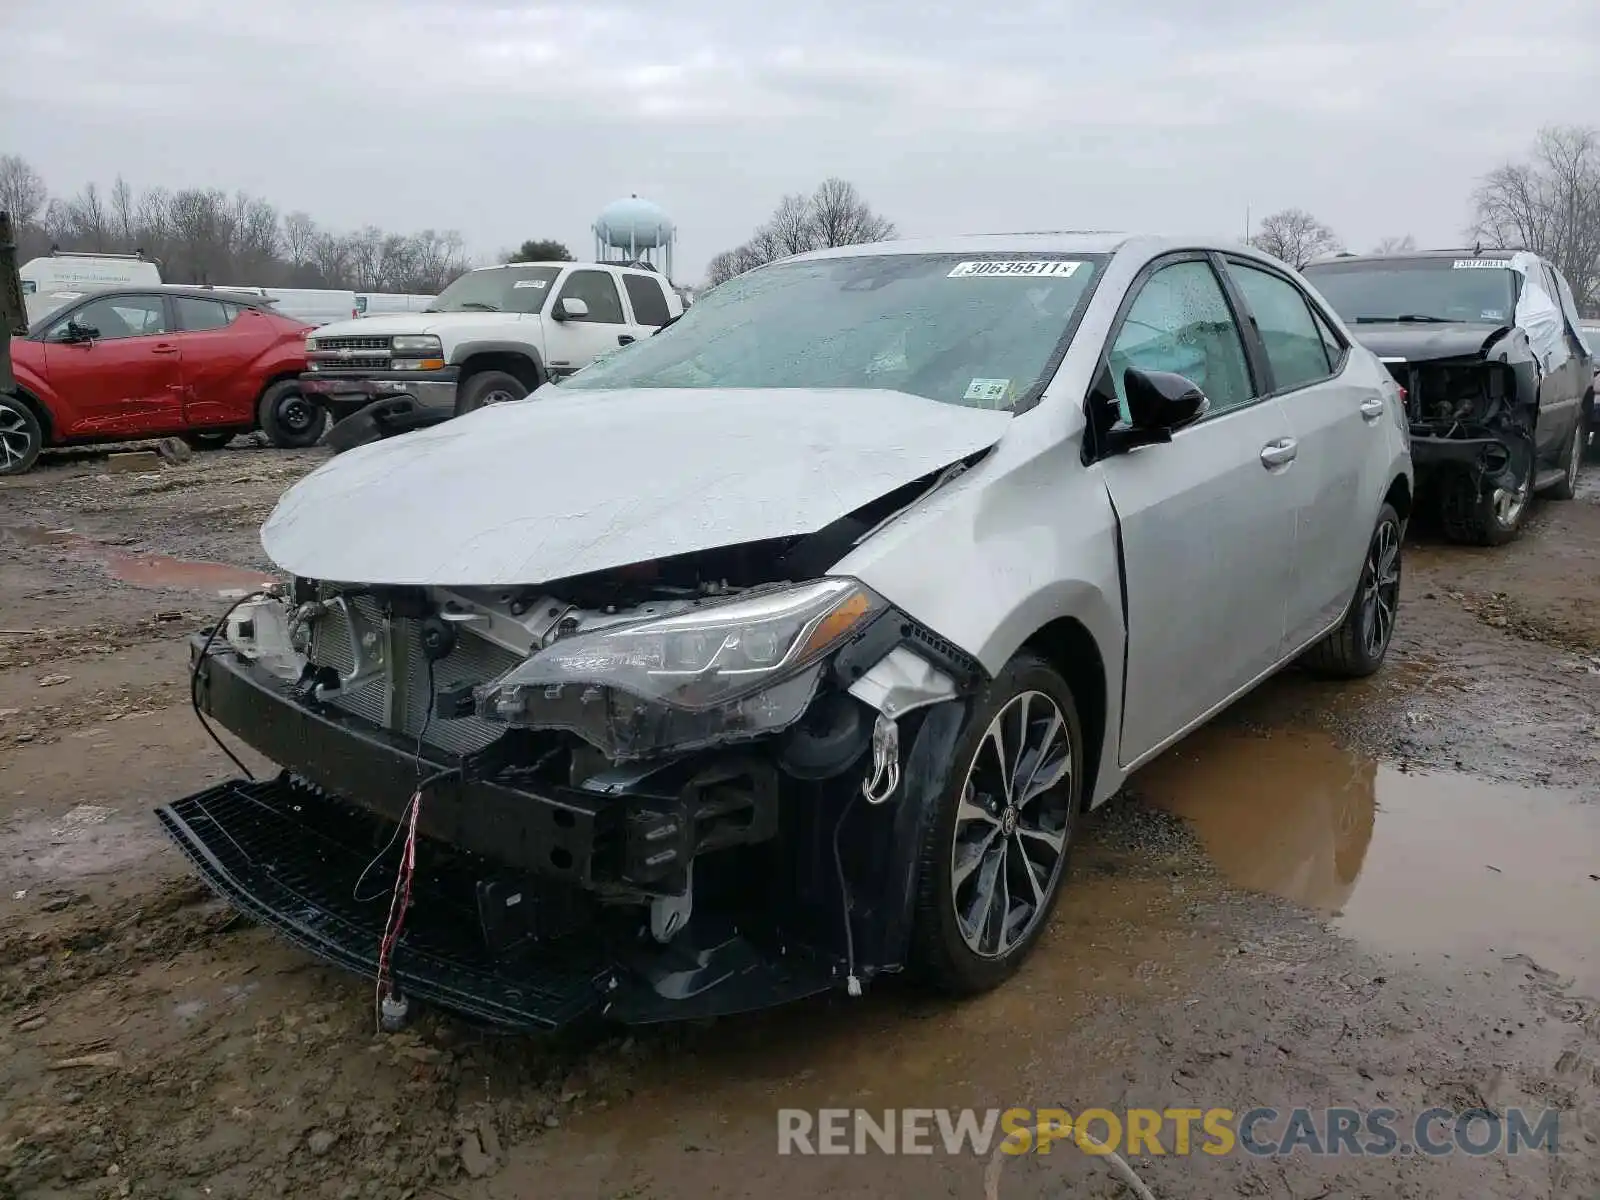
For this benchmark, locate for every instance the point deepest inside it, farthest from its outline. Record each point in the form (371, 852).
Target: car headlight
(424, 344)
(740, 668)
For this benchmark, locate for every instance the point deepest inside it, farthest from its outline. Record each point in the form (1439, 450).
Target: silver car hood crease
(547, 488)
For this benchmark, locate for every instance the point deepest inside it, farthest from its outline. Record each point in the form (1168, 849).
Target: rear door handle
(1372, 408)
(163, 348)
(1279, 453)
(624, 338)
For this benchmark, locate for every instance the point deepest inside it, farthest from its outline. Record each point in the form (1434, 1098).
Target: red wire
(399, 901)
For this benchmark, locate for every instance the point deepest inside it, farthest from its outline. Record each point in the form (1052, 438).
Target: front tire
(290, 419)
(1359, 645)
(1475, 515)
(488, 387)
(21, 437)
(994, 857)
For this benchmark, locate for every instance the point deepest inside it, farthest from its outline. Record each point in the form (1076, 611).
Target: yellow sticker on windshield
(989, 391)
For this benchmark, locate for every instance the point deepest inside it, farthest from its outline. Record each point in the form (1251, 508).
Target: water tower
(635, 230)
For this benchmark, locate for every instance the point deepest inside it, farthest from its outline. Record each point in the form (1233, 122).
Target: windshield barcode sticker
(1025, 269)
(533, 283)
(989, 390)
(1468, 264)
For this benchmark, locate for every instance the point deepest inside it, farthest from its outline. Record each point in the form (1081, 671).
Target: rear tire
(1567, 489)
(1359, 645)
(289, 418)
(984, 834)
(21, 437)
(488, 387)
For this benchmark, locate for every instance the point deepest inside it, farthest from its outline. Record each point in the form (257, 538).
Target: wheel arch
(521, 362)
(1068, 646)
(40, 411)
(1399, 497)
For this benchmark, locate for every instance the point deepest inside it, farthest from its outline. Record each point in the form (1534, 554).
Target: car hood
(541, 489)
(421, 322)
(1424, 342)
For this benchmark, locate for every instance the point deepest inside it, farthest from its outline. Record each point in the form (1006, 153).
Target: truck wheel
(209, 440)
(488, 387)
(289, 418)
(993, 860)
(1567, 489)
(1479, 515)
(1358, 646)
(21, 439)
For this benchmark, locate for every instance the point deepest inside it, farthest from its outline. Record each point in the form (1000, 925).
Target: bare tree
(1550, 205)
(835, 214)
(22, 190)
(299, 235)
(124, 213)
(1294, 236)
(842, 218)
(1396, 245)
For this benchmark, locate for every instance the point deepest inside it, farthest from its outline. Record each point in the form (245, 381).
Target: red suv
(148, 362)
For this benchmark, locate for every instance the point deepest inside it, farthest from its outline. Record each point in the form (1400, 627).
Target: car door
(1337, 419)
(1207, 520)
(571, 342)
(647, 298)
(219, 341)
(126, 377)
(1577, 376)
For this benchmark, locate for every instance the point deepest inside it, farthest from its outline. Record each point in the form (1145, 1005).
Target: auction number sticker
(1035, 268)
(1481, 264)
(533, 283)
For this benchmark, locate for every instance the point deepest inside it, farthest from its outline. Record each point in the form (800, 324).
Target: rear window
(196, 316)
(648, 300)
(1471, 290)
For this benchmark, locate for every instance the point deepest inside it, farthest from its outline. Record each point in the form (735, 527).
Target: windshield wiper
(1402, 319)
(478, 305)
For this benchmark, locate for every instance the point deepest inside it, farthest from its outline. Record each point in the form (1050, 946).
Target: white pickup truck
(494, 334)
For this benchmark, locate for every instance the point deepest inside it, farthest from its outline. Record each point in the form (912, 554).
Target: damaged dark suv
(1498, 379)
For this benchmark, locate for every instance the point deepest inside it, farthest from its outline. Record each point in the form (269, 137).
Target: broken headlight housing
(716, 673)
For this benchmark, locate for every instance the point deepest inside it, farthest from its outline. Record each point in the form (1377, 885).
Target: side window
(1332, 343)
(648, 300)
(1288, 331)
(1180, 322)
(196, 316)
(598, 290)
(117, 317)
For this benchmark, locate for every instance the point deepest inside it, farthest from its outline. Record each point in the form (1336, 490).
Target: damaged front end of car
(1473, 414)
(676, 789)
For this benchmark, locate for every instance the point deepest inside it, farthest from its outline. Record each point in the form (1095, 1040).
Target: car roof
(243, 299)
(1415, 255)
(1064, 241)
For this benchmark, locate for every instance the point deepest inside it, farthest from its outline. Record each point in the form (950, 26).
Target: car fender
(59, 416)
(462, 351)
(1004, 569)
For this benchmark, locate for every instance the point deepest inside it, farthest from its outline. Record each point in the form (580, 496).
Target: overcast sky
(508, 120)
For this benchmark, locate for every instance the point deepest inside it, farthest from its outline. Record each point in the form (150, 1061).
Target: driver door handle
(1279, 453)
(1372, 408)
(163, 348)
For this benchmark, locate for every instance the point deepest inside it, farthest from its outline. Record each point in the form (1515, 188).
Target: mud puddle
(1425, 865)
(158, 571)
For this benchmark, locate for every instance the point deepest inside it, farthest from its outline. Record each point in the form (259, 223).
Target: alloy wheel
(1012, 825)
(1381, 590)
(16, 439)
(498, 396)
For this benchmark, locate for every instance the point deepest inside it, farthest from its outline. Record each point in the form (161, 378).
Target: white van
(58, 278)
(377, 304)
(314, 306)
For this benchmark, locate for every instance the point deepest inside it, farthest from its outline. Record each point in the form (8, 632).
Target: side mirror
(76, 334)
(1159, 403)
(570, 306)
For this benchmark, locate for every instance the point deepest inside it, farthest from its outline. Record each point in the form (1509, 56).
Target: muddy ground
(1385, 894)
